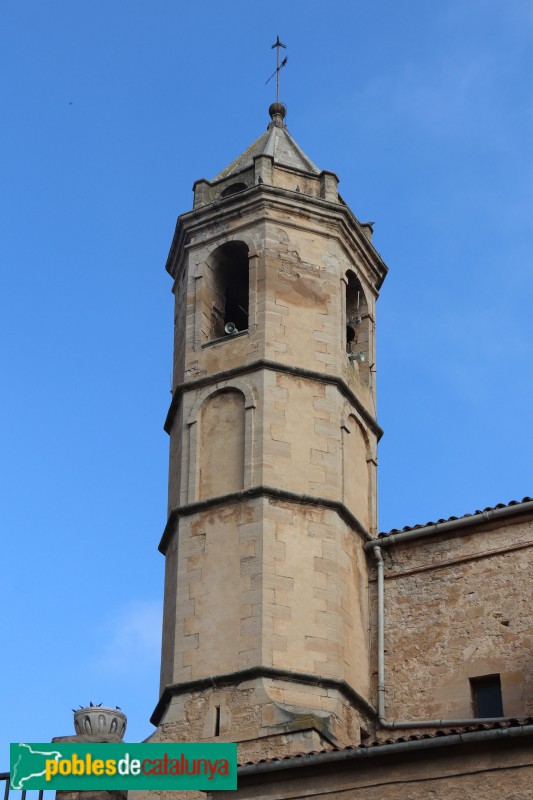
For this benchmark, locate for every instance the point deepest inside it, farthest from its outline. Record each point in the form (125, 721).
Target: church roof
(275, 142)
(477, 513)
(303, 759)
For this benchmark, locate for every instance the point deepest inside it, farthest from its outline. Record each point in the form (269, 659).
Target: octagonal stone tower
(272, 480)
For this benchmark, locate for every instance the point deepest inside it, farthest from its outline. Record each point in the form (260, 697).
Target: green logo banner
(77, 767)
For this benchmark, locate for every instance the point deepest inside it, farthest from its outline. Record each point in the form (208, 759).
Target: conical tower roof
(275, 142)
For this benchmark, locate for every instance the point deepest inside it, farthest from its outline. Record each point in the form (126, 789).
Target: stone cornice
(274, 366)
(252, 673)
(260, 491)
(260, 197)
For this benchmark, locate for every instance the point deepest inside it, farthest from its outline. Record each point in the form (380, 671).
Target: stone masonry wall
(266, 717)
(492, 771)
(297, 285)
(300, 435)
(458, 607)
(266, 583)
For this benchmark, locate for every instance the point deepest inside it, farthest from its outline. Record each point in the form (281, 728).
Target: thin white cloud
(132, 638)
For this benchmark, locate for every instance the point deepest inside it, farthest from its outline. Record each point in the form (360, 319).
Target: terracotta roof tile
(414, 737)
(440, 521)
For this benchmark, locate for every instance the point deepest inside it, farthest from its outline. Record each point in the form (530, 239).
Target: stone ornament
(100, 720)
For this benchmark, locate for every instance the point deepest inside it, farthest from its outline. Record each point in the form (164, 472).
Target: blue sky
(111, 111)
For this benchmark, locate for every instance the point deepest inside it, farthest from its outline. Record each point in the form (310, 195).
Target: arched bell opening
(358, 325)
(227, 289)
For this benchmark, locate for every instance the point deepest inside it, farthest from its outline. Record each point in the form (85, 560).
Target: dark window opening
(356, 310)
(359, 328)
(217, 720)
(236, 311)
(233, 189)
(487, 696)
(228, 282)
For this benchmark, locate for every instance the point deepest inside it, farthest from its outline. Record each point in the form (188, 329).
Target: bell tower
(272, 478)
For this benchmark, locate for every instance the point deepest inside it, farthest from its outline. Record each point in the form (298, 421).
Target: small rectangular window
(487, 696)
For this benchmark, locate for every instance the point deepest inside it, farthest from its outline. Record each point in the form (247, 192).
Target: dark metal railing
(4, 776)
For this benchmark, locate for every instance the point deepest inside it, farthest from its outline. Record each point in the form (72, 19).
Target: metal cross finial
(277, 44)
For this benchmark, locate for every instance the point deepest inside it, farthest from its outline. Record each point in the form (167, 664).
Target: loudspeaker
(230, 327)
